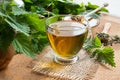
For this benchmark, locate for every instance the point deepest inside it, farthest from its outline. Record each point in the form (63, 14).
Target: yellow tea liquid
(66, 38)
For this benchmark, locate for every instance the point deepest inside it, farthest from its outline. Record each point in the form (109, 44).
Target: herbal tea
(66, 38)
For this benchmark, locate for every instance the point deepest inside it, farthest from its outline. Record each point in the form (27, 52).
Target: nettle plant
(19, 28)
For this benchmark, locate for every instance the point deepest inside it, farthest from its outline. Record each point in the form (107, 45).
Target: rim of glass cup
(86, 24)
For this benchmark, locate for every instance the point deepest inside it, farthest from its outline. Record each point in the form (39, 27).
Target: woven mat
(82, 70)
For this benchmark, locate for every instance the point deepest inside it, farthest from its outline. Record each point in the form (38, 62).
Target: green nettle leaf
(55, 11)
(89, 45)
(105, 55)
(28, 1)
(18, 11)
(97, 42)
(105, 10)
(37, 25)
(18, 26)
(95, 53)
(22, 44)
(35, 22)
(6, 5)
(2, 14)
(92, 6)
(39, 40)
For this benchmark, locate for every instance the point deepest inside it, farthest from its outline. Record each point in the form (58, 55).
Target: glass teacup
(66, 37)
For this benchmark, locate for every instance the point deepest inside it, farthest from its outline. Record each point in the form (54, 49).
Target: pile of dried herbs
(106, 39)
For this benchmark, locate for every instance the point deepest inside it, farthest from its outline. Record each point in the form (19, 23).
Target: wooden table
(18, 68)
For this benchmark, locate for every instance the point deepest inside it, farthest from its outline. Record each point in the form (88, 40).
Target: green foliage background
(25, 27)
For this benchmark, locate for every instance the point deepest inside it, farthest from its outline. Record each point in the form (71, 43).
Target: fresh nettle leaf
(18, 11)
(91, 6)
(15, 30)
(18, 26)
(2, 14)
(91, 44)
(6, 5)
(34, 21)
(55, 11)
(97, 42)
(38, 32)
(22, 44)
(39, 40)
(104, 55)
(29, 1)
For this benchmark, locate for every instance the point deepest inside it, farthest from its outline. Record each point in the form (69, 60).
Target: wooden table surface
(18, 68)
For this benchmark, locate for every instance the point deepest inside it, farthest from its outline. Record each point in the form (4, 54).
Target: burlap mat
(82, 70)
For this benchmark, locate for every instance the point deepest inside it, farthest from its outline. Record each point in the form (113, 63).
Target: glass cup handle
(90, 34)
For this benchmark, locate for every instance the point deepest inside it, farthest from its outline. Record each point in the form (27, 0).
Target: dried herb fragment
(106, 39)
(115, 39)
(78, 18)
